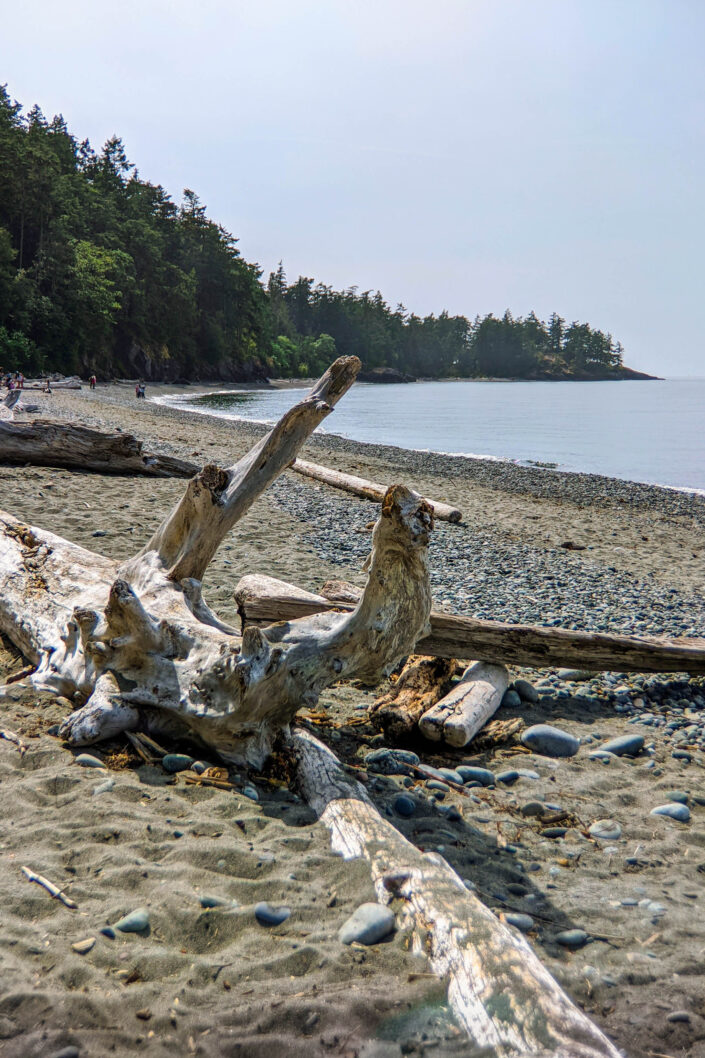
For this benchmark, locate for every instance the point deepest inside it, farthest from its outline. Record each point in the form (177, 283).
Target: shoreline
(294, 989)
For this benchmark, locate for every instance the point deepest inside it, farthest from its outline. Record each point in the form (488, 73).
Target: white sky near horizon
(472, 155)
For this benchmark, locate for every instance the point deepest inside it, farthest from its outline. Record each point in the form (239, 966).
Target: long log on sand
(369, 490)
(263, 600)
(507, 1001)
(459, 716)
(64, 444)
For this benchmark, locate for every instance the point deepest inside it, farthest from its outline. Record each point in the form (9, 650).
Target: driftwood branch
(62, 444)
(421, 683)
(262, 600)
(465, 710)
(499, 990)
(368, 490)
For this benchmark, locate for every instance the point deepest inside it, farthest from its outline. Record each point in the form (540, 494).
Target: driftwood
(136, 643)
(8, 405)
(458, 717)
(421, 683)
(63, 444)
(368, 490)
(262, 600)
(499, 990)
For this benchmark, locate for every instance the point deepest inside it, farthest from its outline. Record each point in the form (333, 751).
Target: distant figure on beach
(92, 381)
(47, 387)
(139, 390)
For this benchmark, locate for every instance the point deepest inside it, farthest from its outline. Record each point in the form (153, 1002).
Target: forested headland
(100, 271)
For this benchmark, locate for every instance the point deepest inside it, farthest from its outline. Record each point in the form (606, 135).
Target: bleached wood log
(453, 636)
(8, 405)
(465, 710)
(368, 490)
(504, 997)
(64, 444)
(421, 683)
(137, 643)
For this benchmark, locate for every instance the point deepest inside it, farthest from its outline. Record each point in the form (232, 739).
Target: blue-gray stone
(550, 741)
(109, 932)
(367, 925)
(575, 675)
(103, 787)
(522, 922)
(673, 811)
(67, 1052)
(507, 777)
(249, 791)
(572, 938)
(469, 773)
(430, 773)
(438, 785)
(136, 922)
(526, 691)
(678, 795)
(199, 766)
(554, 832)
(213, 901)
(533, 808)
(87, 760)
(451, 775)
(606, 830)
(625, 745)
(527, 773)
(391, 761)
(678, 1015)
(404, 805)
(510, 699)
(174, 762)
(682, 754)
(267, 915)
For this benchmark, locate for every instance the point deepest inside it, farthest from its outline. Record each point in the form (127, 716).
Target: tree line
(100, 271)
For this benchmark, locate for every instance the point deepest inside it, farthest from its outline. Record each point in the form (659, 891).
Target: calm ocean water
(639, 431)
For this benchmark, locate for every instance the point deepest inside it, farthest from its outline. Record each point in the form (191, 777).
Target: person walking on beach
(92, 381)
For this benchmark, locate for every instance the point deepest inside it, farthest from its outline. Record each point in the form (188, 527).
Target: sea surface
(652, 432)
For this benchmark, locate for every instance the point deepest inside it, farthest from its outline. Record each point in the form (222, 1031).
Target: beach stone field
(216, 920)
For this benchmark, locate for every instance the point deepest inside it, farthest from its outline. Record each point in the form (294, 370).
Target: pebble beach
(593, 848)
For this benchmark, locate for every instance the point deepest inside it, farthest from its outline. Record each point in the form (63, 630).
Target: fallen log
(421, 683)
(63, 444)
(465, 710)
(8, 405)
(262, 600)
(368, 490)
(504, 997)
(135, 645)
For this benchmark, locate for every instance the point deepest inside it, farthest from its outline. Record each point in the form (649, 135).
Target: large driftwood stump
(137, 643)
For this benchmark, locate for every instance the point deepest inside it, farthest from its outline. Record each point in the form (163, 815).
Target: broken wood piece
(506, 1000)
(64, 444)
(140, 749)
(368, 490)
(421, 683)
(264, 600)
(10, 736)
(52, 889)
(8, 405)
(465, 710)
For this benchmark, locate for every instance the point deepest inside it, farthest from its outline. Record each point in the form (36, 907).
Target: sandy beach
(210, 980)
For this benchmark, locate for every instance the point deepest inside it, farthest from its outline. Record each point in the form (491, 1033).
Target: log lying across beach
(63, 444)
(263, 600)
(368, 490)
(507, 1001)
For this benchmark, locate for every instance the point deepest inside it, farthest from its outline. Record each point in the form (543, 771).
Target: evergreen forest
(100, 271)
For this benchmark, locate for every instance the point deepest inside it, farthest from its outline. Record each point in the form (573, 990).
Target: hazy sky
(471, 155)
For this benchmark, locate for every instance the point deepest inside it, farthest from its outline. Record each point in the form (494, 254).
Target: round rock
(87, 760)
(510, 699)
(624, 746)
(391, 761)
(606, 830)
(526, 691)
(369, 924)
(175, 762)
(673, 811)
(136, 922)
(267, 915)
(550, 741)
(404, 805)
(572, 938)
(519, 921)
(470, 773)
